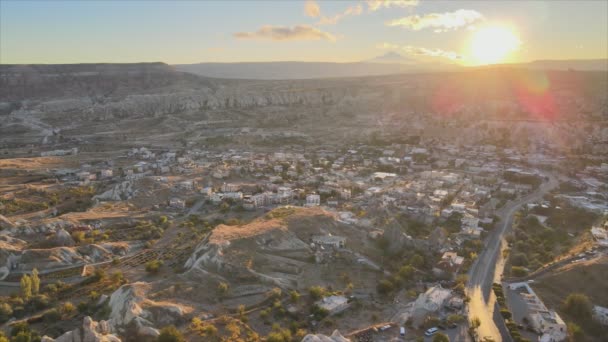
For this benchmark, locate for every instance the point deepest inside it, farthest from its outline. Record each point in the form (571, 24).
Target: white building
(333, 304)
(177, 203)
(329, 241)
(429, 303)
(106, 173)
(313, 200)
(545, 321)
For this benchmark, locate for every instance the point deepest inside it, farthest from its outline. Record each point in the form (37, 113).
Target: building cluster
(547, 323)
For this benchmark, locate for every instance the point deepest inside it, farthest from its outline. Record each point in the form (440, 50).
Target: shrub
(6, 311)
(51, 316)
(519, 271)
(317, 292)
(67, 308)
(170, 334)
(578, 305)
(153, 266)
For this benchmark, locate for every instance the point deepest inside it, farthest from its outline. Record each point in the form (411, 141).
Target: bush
(6, 312)
(170, 334)
(317, 292)
(385, 286)
(153, 266)
(67, 309)
(51, 316)
(506, 314)
(579, 306)
(519, 271)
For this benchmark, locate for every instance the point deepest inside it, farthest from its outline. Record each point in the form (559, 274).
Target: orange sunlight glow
(493, 44)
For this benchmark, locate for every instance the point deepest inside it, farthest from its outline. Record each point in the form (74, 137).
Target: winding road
(488, 268)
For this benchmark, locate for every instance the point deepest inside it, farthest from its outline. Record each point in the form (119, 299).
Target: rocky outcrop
(63, 239)
(90, 331)
(58, 257)
(6, 223)
(10, 249)
(334, 337)
(130, 306)
(121, 191)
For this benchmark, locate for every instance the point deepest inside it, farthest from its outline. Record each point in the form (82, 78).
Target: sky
(179, 32)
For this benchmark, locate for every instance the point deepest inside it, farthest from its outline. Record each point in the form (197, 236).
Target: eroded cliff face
(90, 331)
(53, 104)
(273, 257)
(130, 305)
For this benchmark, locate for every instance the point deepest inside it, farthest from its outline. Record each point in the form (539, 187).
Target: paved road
(488, 268)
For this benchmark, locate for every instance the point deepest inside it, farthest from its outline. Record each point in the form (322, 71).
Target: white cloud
(282, 33)
(422, 51)
(312, 9)
(374, 5)
(351, 10)
(438, 21)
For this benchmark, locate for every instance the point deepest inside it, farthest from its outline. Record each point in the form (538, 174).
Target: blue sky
(230, 31)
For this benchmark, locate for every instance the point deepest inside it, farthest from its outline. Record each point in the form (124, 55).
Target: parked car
(431, 331)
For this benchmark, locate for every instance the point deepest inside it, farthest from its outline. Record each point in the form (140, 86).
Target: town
(314, 240)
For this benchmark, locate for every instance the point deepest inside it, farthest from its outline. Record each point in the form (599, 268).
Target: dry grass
(583, 277)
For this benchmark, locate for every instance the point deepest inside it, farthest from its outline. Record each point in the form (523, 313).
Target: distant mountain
(391, 57)
(307, 70)
(566, 64)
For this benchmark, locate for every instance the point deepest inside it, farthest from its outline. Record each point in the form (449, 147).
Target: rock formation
(334, 337)
(90, 331)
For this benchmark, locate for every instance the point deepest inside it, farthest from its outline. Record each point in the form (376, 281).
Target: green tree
(294, 296)
(153, 266)
(170, 334)
(579, 306)
(575, 333)
(316, 292)
(441, 337)
(35, 282)
(26, 287)
(222, 289)
(6, 311)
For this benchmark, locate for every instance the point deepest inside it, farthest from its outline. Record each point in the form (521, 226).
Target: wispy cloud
(374, 5)
(312, 9)
(350, 10)
(439, 21)
(422, 51)
(282, 33)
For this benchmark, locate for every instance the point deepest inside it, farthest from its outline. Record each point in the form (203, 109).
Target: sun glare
(494, 44)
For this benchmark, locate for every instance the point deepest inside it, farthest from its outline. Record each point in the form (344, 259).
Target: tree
(316, 292)
(578, 305)
(26, 287)
(441, 337)
(294, 296)
(170, 334)
(222, 289)
(153, 266)
(6, 311)
(35, 282)
(67, 308)
(575, 333)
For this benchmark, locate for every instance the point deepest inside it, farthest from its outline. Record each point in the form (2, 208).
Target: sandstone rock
(129, 304)
(90, 331)
(63, 238)
(335, 337)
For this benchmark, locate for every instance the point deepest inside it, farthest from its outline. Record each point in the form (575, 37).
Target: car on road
(431, 331)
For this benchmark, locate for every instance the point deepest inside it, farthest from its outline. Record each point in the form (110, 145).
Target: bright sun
(493, 44)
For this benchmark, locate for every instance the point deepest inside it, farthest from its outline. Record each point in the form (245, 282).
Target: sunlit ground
(478, 308)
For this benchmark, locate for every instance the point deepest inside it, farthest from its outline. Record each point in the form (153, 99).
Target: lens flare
(493, 44)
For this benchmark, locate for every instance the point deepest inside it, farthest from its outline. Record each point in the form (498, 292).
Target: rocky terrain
(97, 106)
